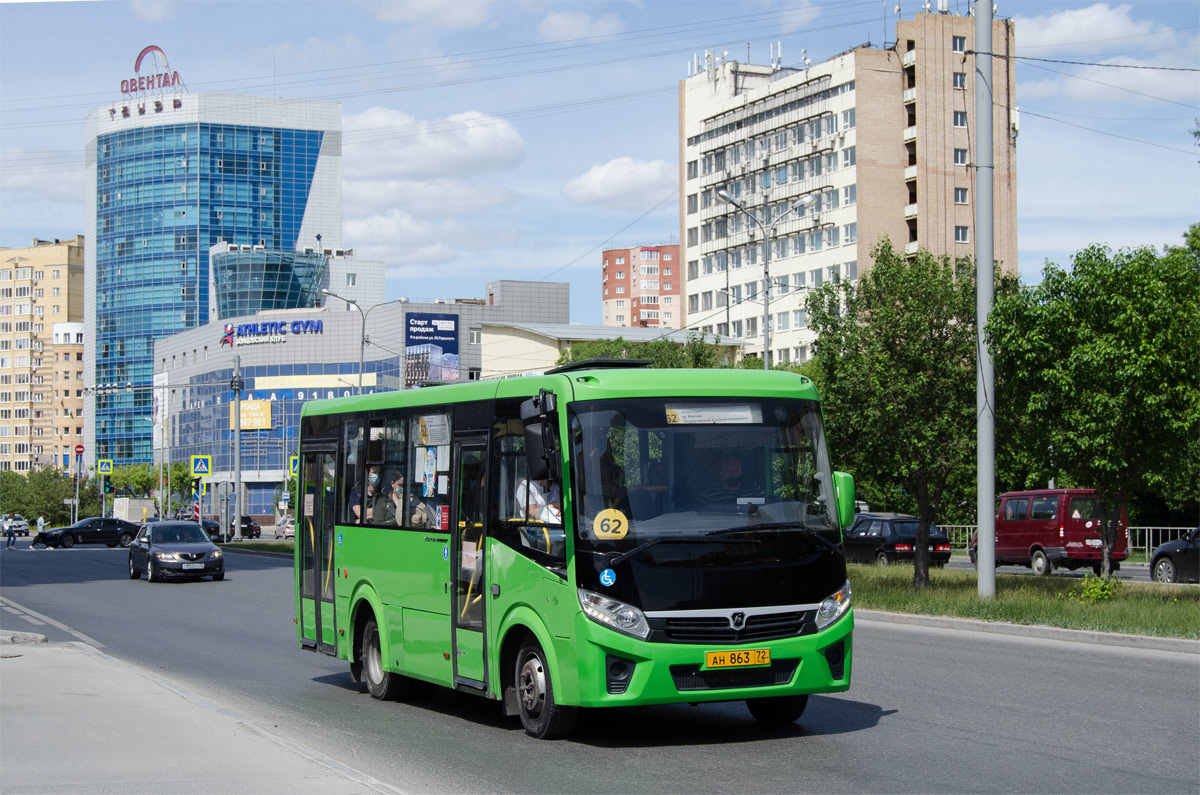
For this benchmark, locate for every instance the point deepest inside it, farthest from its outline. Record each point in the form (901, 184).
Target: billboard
(255, 415)
(430, 347)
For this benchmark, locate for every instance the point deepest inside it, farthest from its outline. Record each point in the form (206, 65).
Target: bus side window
(542, 541)
(352, 473)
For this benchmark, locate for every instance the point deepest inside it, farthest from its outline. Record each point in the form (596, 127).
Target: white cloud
(54, 176)
(423, 198)
(1099, 28)
(152, 10)
(437, 14)
(566, 25)
(623, 184)
(1119, 85)
(386, 143)
(401, 239)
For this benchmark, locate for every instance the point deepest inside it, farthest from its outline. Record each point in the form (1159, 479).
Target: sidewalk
(76, 720)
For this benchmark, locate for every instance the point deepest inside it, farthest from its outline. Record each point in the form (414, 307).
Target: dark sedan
(890, 537)
(1178, 560)
(250, 528)
(93, 530)
(175, 549)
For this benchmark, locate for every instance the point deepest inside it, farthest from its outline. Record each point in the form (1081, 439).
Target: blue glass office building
(167, 177)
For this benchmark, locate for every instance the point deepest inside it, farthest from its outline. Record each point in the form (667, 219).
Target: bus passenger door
(468, 605)
(315, 535)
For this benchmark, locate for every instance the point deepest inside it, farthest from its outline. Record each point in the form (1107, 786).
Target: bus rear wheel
(540, 715)
(383, 685)
(777, 711)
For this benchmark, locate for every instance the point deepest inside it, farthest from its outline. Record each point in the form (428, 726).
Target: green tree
(45, 489)
(897, 365)
(695, 353)
(1100, 363)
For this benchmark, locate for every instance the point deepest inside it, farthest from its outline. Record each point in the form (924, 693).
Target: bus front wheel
(777, 711)
(540, 715)
(383, 685)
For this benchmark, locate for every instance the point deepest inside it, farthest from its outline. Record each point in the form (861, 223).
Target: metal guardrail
(1141, 540)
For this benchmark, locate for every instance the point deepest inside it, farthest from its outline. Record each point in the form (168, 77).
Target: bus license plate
(737, 659)
(193, 565)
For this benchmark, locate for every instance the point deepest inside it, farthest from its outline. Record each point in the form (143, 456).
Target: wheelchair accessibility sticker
(608, 577)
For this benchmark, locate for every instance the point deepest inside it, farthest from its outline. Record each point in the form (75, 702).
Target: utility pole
(985, 423)
(236, 385)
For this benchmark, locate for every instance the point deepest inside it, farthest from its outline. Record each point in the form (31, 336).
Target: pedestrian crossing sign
(295, 465)
(104, 466)
(201, 465)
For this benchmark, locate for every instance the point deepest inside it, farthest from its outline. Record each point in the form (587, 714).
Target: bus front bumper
(619, 670)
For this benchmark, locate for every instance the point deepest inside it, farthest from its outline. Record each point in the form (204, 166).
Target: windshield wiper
(765, 526)
(624, 556)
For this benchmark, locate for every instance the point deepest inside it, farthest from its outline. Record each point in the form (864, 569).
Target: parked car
(213, 528)
(93, 530)
(285, 528)
(1049, 529)
(886, 538)
(250, 528)
(174, 549)
(19, 524)
(1178, 560)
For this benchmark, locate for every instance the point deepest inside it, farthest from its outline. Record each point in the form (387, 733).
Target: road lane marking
(48, 620)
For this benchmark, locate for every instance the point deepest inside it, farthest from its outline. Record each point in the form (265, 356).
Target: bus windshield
(689, 468)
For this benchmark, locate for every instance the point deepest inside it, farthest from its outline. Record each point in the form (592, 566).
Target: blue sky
(493, 139)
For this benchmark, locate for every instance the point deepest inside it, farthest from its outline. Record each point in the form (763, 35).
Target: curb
(21, 638)
(1183, 645)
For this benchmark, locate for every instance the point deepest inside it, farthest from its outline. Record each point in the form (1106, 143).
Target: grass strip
(284, 547)
(1135, 608)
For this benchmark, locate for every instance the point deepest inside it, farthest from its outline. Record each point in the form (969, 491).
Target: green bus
(598, 536)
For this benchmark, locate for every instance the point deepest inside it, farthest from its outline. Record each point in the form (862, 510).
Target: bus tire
(540, 715)
(383, 685)
(777, 711)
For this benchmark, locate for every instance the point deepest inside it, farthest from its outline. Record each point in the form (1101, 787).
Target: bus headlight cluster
(610, 612)
(834, 606)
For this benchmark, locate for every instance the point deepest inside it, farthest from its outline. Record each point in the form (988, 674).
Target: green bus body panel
(469, 645)
(404, 576)
(426, 647)
(307, 613)
(651, 682)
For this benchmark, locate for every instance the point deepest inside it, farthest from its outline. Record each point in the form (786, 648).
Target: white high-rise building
(872, 143)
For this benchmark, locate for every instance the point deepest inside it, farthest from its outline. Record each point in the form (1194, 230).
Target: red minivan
(1052, 529)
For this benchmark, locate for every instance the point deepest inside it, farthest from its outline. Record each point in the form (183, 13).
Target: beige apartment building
(829, 159)
(642, 287)
(41, 354)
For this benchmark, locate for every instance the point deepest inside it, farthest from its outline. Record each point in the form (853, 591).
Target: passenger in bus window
(389, 508)
(356, 500)
(539, 501)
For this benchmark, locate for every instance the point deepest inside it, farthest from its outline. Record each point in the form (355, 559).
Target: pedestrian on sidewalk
(10, 530)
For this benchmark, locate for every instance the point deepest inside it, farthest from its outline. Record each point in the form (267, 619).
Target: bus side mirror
(843, 485)
(541, 447)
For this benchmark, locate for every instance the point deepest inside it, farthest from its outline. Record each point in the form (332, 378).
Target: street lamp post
(768, 234)
(362, 340)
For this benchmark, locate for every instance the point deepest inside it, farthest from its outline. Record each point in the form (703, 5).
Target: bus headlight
(834, 606)
(610, 612)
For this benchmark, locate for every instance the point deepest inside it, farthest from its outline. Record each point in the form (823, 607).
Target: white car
(285, 529)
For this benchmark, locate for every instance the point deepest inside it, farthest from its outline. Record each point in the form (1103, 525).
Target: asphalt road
(930, 710)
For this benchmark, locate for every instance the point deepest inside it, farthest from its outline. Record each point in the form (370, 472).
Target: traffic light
(108, 487)
(195, 485)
